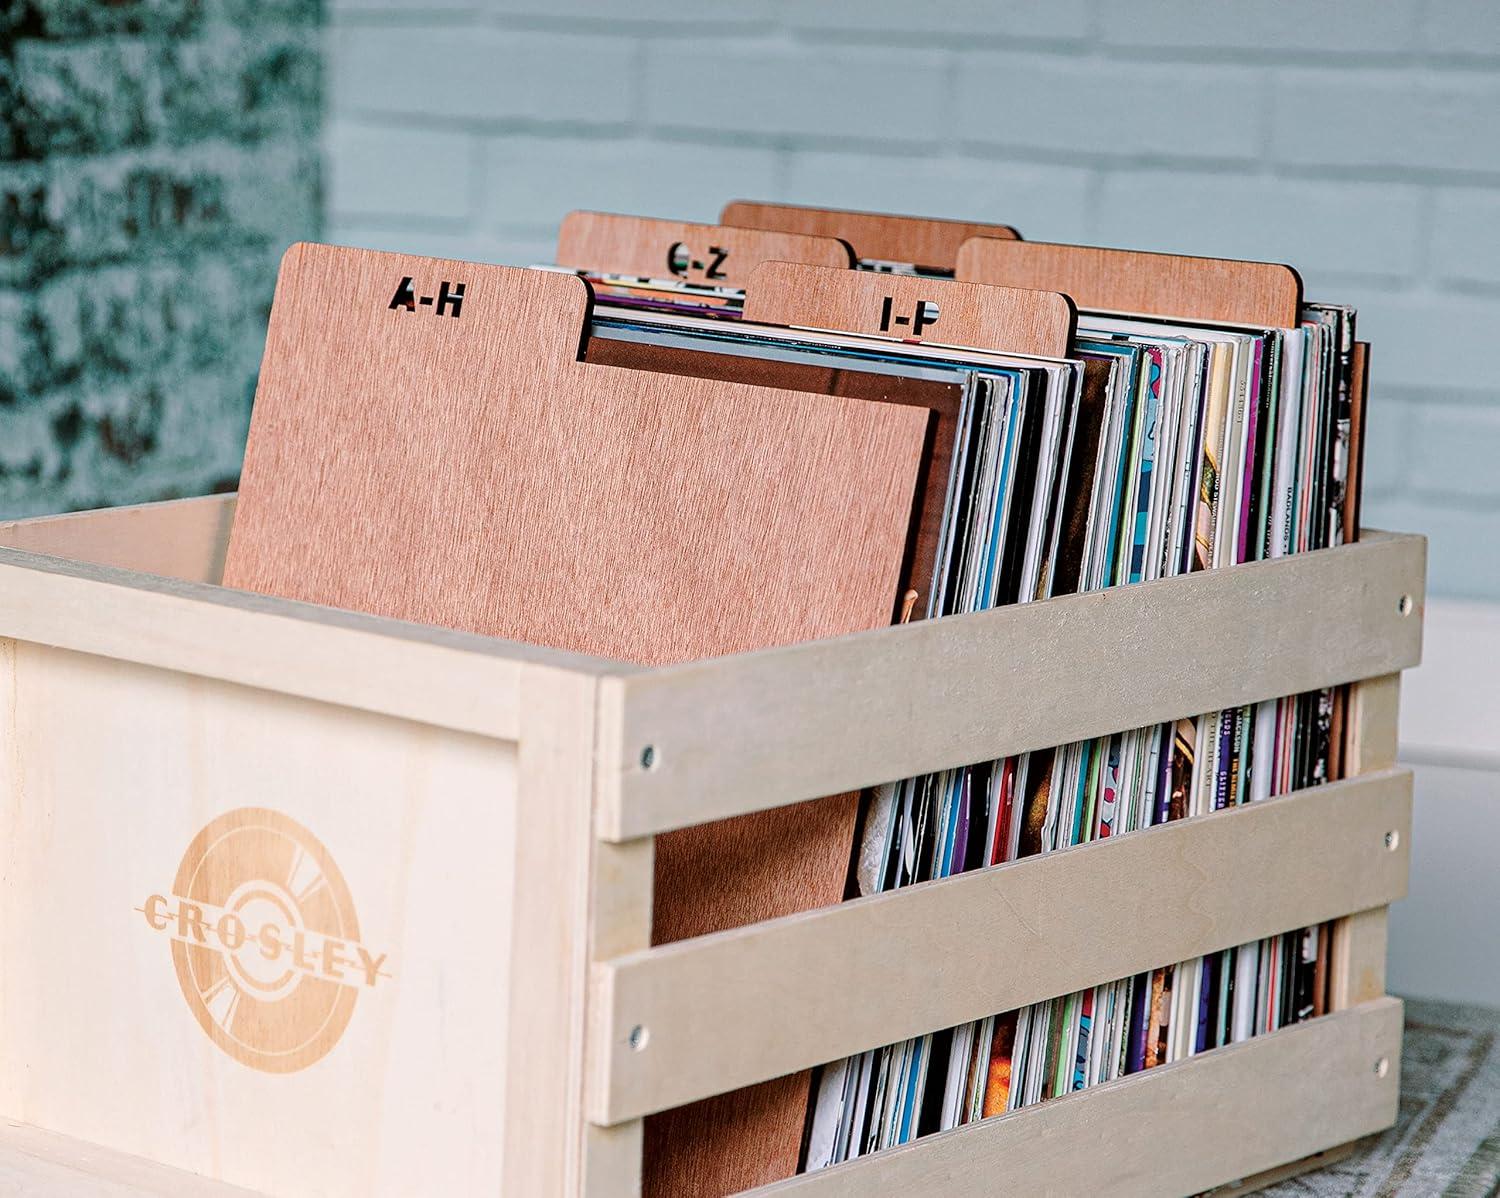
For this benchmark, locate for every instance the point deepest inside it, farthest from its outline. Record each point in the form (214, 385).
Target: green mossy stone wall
(156, 157)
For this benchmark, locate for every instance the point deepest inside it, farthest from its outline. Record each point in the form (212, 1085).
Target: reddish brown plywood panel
(1109, 280)
(605, 243)
(462, 467)
(944, 400)
(878, 236)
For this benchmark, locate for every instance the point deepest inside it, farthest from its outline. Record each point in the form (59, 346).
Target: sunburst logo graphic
(265, 940)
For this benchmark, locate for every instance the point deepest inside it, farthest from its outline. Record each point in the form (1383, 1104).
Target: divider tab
(875, 236)
(912, 308)
(1227, 290)
(712, 255)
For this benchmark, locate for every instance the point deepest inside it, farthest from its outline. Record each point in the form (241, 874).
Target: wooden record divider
(1135, 282)
(710, 255)
(875, 236)
(912, 308)
(123, 662)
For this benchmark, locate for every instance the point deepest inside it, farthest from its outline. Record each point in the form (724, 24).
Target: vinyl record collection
(1213, 445)
(916, 420)
(1156, 447)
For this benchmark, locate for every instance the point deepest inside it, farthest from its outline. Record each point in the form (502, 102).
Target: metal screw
(1382, 1066)
(648, 757)
(638, 1037)
(1392, 840)
(1404, 605)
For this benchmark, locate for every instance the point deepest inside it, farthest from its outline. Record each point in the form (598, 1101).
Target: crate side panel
(357, 1048)
(1294, 1092)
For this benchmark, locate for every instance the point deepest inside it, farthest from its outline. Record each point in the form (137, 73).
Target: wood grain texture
(988, 941)
(972, 315)
(180, 538)
(944, 399)
(1295, 1091)
(1270, 1177)
(551, 882)
(108, 773)
(38, 1162)
(472, 473)
(1132, 281)
(432, 675)
(782, 725)
(607, 243)
(875, 236)
(1360, 942)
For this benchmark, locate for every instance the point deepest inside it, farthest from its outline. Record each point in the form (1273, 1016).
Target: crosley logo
(448, 302)
(924, 315)
(265, 940)
(682, 262)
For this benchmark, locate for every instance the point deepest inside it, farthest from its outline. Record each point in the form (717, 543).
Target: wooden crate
(450, 838)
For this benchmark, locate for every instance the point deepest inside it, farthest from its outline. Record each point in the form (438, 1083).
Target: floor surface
(1446, 1142)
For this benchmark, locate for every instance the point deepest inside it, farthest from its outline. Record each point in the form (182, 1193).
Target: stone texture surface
(156, 156)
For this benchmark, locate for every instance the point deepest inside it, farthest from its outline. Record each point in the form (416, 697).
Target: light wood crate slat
(431, 675)
(178, 538)
(737, 734)
(1231, 1112)
(39, 1162)
(942, 953)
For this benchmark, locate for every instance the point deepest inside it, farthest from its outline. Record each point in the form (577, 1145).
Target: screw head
(639, 1036)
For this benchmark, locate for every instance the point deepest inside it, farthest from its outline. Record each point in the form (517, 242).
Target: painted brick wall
(156, 156)
(1359, 141)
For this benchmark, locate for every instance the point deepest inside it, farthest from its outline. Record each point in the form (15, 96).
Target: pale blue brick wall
(1359, 141)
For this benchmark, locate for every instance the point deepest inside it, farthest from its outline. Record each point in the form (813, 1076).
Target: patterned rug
(1446, 1141)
